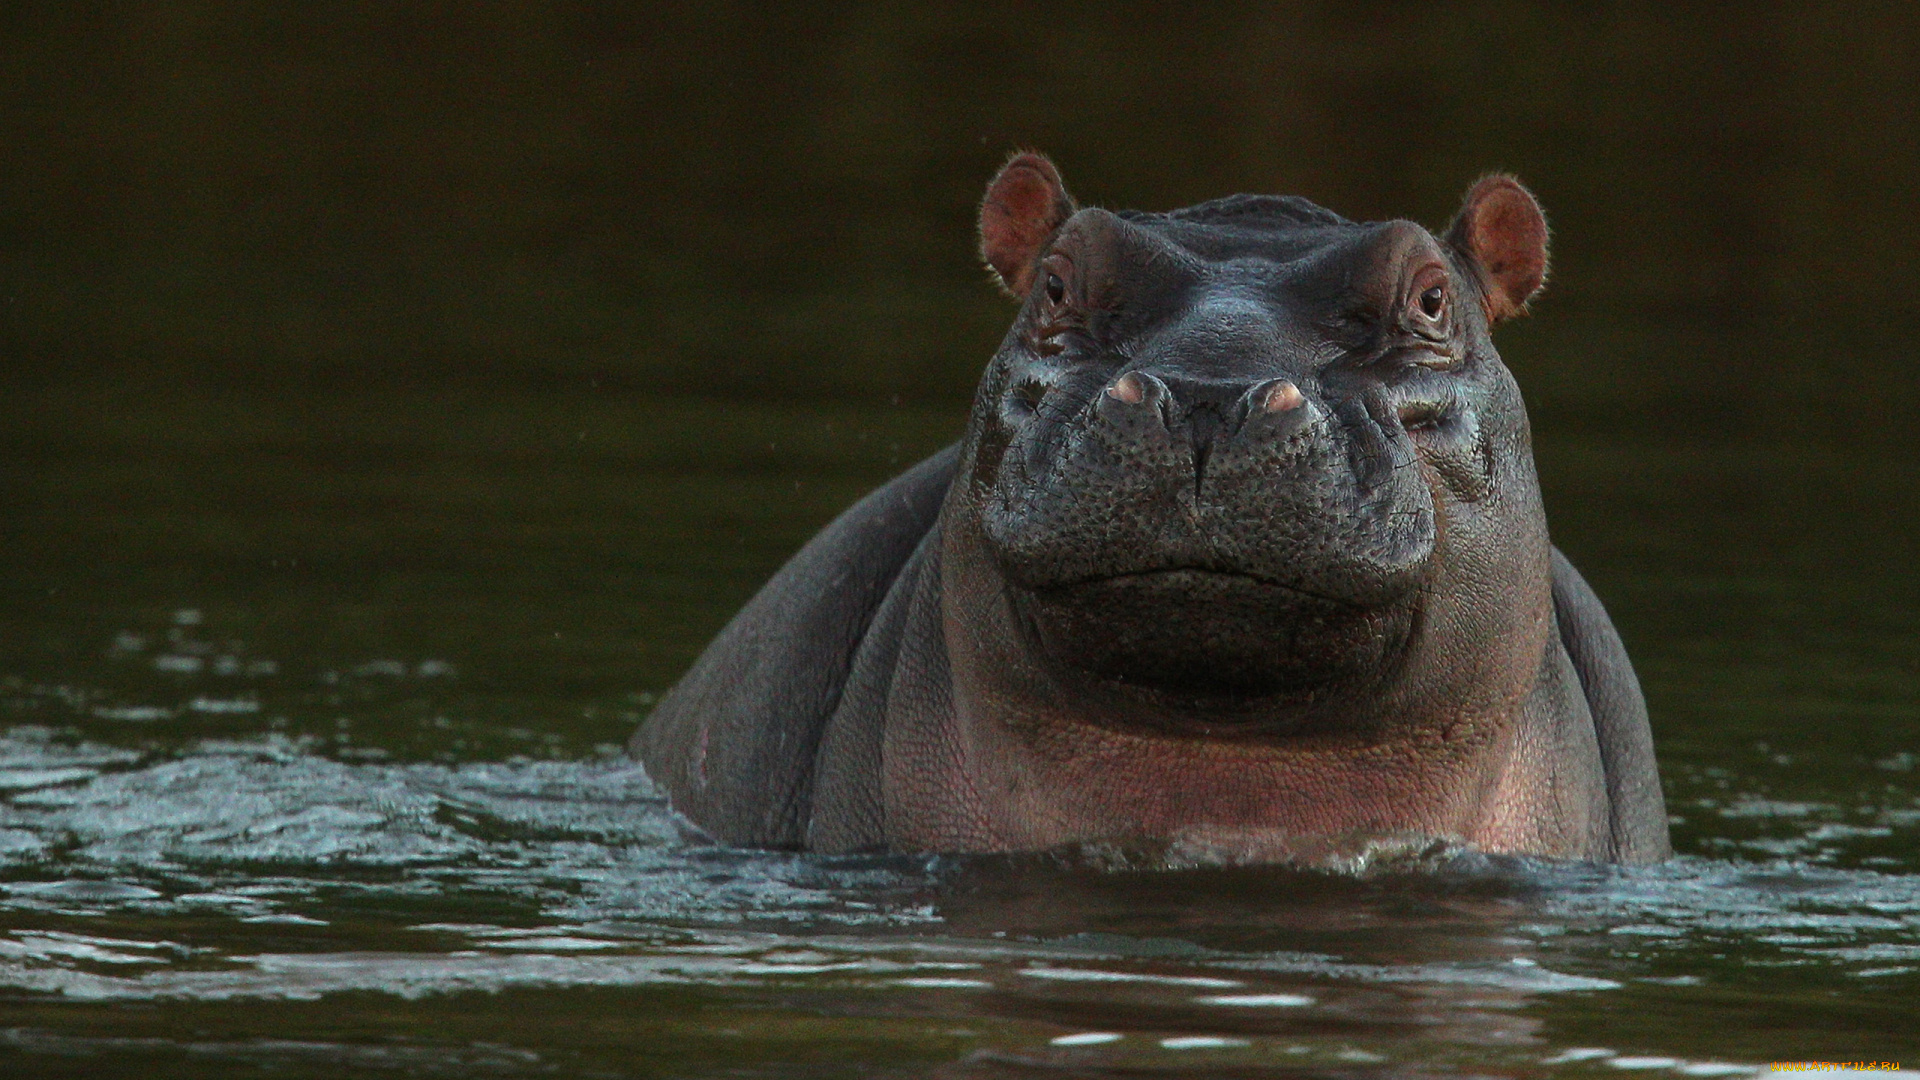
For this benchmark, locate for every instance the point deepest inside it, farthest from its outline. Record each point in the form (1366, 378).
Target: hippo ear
(1025, 205)
(1501, 230)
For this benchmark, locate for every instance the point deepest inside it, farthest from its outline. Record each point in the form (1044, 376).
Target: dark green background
(515, 330)
(770, 201)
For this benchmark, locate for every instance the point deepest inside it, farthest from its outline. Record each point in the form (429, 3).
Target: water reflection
(262, 870)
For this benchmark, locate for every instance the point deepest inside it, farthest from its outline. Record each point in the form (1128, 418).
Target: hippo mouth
(1188, 576)
(1217, 639)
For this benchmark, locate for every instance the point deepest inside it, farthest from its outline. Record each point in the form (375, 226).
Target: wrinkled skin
(1242, 557)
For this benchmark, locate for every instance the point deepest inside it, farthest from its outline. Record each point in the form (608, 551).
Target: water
(393, 401)
(309, 766)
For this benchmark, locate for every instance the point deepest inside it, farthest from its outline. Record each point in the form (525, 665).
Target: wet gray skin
(1242, 557)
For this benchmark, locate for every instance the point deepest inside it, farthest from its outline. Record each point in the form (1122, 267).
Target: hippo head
(1250, 459)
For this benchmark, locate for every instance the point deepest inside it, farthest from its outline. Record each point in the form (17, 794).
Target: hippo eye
(1433, 302)
(1056, 289)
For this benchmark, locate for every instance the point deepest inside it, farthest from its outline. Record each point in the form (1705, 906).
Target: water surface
(309, 765)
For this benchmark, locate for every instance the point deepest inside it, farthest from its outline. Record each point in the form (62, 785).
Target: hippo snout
(1191, 418)
(1147, 421)
(1261, 478)
(1215, 536)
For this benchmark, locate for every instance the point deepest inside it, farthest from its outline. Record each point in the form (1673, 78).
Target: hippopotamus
(1242, 556)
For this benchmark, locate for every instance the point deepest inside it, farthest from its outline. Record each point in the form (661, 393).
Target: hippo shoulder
(1639, 813)
(734, 742)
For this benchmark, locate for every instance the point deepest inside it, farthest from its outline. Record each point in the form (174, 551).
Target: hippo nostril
(1129, 388)
(1421, 416)
(1281, 397)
